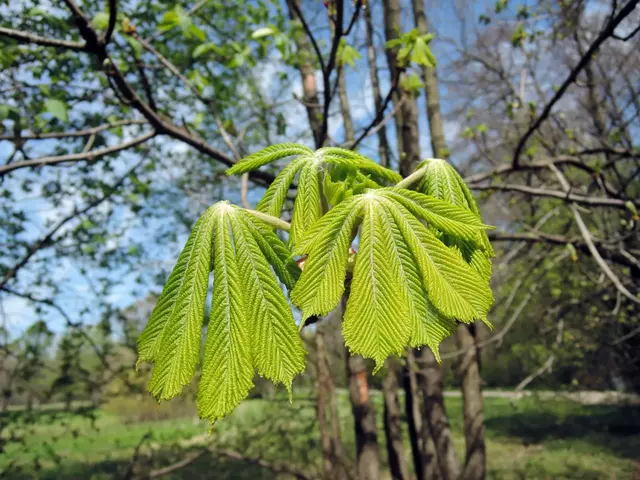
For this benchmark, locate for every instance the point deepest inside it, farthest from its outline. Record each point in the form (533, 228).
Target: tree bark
(407, 117)
(475, 458)
(430, 79)
(364, 415)
(430, 382)
(425, 461)
(333, 464)
(309, 87)
(393, 424)
(383, 142)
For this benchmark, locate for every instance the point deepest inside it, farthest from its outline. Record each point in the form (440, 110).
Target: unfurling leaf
(402, 271)
(251, 325)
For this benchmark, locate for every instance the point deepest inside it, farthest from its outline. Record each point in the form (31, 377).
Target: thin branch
(586, 234)
(89, 156)
(277, 469)
(573, 75)
(628, 37)
(185, 462)
(74, 133)
(47, 240)
(30, 38)
(541, 192)
(379, 113)
(113, 15)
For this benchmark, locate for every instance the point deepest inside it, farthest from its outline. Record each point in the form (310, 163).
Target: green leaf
(411, 83)
(263, 32)
(347, 55)
(227, 369)
(376, 321)
(308, 206)
(454, 288)
(57, 108)
(321, 283)
(276, 194)
(276, 345)
(250, 326)
(442, 215)
(101, 20)
(268, 155)
(341, 156)
(172, 336)
(421, 53)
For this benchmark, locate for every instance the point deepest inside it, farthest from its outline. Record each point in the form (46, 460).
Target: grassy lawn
(527, 438)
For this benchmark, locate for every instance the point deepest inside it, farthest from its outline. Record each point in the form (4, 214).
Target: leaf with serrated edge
(453, 286)
(308, 206)
(268, 155)
(428, 326)
(321, 283)
(276, 345)
(376, 320)
(276, 194)
(175, 347)
(227, 369)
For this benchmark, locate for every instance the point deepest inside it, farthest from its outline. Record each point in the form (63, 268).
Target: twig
(587, 238)
(75, 157)
(74, 133)
(113, 15)
(573, 75)
(26, 37)
(541, 192)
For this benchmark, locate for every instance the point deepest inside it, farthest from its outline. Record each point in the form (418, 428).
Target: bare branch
(541, 192)
(589, 241)
(89, 156)
(30, 38)
(113, 15)
(607, 32)
(74, 133)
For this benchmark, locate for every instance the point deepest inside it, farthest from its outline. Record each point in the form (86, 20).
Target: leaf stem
(271, 220)
(413, 178)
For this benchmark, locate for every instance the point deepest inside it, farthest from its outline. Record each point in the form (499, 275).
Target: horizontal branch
(31, 38)
(543, 165)
(89, 156)
(541, 192)
(73, 133)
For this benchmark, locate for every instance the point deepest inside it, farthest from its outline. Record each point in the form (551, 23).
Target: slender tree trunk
(407, 117)
(430, 79)
(309, 87)
(321, 406)
(425, 460)
(393, 423)
(364, 414)
(430, 381)
(471, 382)
(412, 410)
(475, 463)
(333, 462)
(344, 107)
(383, 142)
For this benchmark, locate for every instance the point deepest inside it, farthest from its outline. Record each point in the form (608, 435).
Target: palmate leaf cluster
(422, 265)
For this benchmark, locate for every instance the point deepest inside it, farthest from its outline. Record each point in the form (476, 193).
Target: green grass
(528, 438)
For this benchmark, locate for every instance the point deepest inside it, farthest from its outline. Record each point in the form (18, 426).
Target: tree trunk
(333, 464)
(425, 461)
(430, 79)
(475, 458)
(383, 142)
(364, 415)
(393, 423)
(430, 382)
(321, 406)
(309, 87)
(407, 116)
